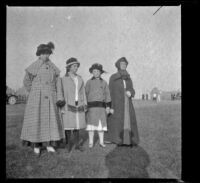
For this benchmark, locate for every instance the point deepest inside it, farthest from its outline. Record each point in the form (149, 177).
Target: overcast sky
(151, 43)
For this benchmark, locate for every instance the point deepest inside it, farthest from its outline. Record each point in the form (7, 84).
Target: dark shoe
(68, 147)
(67, 136)
(80, 148)
(77, 146)
(120, 145)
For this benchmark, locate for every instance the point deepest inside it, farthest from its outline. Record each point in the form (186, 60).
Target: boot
(77, 145)
(91, 137)
(67, 138)
(101, 138)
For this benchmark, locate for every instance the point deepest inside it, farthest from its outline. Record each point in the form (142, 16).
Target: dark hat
(98, 67)
(122, 59)
(72, 61)
(45, 48)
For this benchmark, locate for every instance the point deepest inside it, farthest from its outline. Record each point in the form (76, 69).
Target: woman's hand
(128, 93)
(107, 110)
(85, 108)
(111, 111)
(60, 103)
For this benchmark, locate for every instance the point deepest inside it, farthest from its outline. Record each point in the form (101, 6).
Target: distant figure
(147, 97)
(172, 96)
(143, 97)
(158, 98)
(154, 97)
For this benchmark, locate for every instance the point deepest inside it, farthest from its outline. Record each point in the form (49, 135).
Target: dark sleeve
(111, 87)
(59, 88)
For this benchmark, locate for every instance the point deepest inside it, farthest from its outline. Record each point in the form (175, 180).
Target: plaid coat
(66, 91)
(41, 118)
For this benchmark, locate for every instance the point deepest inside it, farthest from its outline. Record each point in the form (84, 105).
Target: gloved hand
(128, 93)
(107, 110)
(85, 108)
(60, 103)
(111, 111)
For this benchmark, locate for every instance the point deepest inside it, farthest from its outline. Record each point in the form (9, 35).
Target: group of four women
(56, 106)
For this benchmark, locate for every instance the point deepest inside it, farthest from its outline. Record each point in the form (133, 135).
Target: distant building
(165, 95)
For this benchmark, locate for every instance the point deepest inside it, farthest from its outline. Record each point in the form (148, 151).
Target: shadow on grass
(126, 162)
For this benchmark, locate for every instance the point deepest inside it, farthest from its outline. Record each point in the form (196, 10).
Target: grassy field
(157, 156)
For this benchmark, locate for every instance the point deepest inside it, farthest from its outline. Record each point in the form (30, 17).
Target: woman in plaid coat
(71, 91)
(41, 120)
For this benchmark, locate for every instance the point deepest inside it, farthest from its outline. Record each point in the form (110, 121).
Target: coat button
(46, 97)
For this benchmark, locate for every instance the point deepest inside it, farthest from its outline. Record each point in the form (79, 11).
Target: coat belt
(75, 109)
(96, 104)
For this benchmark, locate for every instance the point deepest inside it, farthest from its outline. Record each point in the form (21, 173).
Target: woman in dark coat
(122, 125)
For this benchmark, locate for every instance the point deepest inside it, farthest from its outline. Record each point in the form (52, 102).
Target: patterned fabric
(41, 118)
(66, 91)
(97, 90)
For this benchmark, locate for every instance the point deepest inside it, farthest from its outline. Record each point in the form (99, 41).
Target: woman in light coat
(71, 90)
(42, 124)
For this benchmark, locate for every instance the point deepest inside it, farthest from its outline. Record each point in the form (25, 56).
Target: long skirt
(127, 127)
(123, 130)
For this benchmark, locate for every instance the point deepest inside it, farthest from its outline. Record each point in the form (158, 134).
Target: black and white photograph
(93, 92)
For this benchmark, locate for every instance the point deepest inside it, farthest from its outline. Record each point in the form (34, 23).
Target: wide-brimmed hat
(45, 48)
(98, 67)
(122, 59)
(72, 61)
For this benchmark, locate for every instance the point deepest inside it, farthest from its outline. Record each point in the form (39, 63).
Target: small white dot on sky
(68, 17)
(51, 26)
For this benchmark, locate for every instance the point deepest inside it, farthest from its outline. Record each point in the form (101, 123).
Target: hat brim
(92, 68)
(72, 63)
